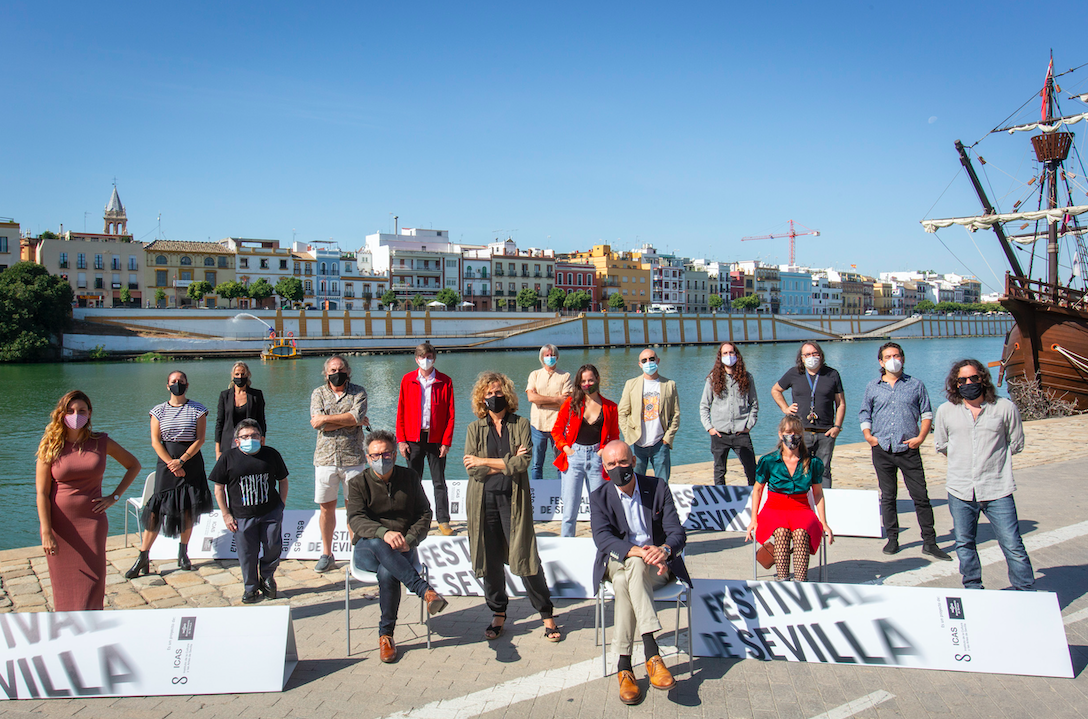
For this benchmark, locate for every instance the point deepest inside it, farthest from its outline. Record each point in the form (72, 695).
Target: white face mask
(729, 360)
(893, 365)
(813, 363)
(425, 363)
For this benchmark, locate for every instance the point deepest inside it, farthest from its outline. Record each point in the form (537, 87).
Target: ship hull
(1034, 346)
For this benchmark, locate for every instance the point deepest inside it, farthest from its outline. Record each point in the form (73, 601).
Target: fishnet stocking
(800, 555)
(782, 553)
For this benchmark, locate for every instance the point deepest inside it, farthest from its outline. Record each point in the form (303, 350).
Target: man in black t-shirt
(818, 401)
(246, 478)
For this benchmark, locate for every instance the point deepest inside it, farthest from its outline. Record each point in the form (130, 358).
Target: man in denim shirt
(895, 418)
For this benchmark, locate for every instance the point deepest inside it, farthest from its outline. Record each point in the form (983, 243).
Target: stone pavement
(329, 683)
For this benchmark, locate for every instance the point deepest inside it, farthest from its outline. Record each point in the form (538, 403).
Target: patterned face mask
(791, 441)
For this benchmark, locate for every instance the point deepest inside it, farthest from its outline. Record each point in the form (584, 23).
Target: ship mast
(1052, 150)
(988, 209)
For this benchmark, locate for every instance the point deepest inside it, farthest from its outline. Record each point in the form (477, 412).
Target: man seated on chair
(639, 539)
(389, 515)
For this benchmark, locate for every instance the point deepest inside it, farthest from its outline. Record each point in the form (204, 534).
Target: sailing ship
(1049, 344)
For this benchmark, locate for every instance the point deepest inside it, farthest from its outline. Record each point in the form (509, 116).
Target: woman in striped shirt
(181, 485)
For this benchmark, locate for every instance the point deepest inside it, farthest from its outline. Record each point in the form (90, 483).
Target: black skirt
(175, 497)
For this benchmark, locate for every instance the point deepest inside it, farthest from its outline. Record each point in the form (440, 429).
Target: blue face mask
(550, 361)
(650, 368)
(249, 446)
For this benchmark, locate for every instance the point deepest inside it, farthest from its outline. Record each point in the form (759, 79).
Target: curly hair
(790, 424)
(56, 431)
(952, 388)
(719, 377)
(483, 381)
(578, 396)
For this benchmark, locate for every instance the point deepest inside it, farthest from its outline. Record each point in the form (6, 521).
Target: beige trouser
(633, 583)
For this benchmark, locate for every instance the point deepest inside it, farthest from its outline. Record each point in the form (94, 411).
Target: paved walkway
(521, 675)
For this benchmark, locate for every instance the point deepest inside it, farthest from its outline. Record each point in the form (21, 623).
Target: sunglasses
(973, 379)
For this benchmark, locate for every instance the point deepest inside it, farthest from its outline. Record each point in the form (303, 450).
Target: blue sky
(685, 126)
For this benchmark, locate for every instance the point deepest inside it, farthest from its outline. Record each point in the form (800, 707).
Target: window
(324, 268)
(132, 263)
(334, 288)
(283, 264)
(347, 268)
(264, 264)
(223, 262)
(133, 282)
(243, 262)
(209, 277)
(160, 278)
(3, 244)
(63, 259)
(309, 286)
(81, 280)
(115, 263)
(209, 262)
(186, 261)
(81, 262)
(322, 287)
(186, 275)
(98, 282)
(160, 260)
(98, 262)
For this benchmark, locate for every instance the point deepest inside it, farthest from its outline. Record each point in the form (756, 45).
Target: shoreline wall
(217, 332)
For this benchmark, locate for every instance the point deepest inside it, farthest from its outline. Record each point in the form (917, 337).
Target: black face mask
(338, 379)
(971, 391)
(621, 475)
(240, 381)
(495, 404)
(178, 389)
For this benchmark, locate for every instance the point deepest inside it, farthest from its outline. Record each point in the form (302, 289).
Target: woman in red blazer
(586, 422)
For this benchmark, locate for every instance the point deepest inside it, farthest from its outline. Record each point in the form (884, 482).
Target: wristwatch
(116, 498)
(838, 426)
(667, 550)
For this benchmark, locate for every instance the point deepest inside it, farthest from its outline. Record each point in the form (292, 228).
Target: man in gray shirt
(979, 432)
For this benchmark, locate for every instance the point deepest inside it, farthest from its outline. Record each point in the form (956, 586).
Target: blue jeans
(585, 468)
(541, 442)
(659, 455)
(393, 569)
(1006, 526)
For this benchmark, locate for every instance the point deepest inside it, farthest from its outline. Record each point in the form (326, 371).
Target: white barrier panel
(545, 497)
(910, 627)
(300, 531)
(568, 567)
(850, 512)
(148, 652)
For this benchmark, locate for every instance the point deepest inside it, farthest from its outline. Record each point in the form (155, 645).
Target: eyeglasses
(249, 436)
(381, 455)
(973, 379)
(811, 354)
(644, 360)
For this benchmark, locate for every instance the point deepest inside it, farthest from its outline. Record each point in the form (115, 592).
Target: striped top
(178, 424)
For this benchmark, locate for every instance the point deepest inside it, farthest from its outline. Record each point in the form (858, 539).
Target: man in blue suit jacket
(639, 539)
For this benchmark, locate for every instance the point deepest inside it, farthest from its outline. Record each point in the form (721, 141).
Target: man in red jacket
(425, 426)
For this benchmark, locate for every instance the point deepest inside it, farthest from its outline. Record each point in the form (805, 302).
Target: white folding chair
(135, 505)
(364, 577)
(675, 590)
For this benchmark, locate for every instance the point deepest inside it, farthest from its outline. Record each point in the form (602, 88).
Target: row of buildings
(110, 268)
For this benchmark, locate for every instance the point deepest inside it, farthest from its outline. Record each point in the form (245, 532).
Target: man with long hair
(980, 432)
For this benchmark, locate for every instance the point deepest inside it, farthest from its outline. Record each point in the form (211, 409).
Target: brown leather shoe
(446, 529)
(630, 692)
(387, 649)
(435, 602)
(660, 677)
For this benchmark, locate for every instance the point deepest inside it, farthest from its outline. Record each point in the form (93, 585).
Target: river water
(123, 393)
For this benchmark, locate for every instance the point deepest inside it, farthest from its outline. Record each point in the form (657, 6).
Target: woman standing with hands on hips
(71, 508)
(586, 423)
(181, 485)
(500, 514)
(728, 411)
(237, 402)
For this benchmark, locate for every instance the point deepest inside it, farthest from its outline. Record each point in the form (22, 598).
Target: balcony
(536, 274)
(134, 285)
(498, 272)
(525, 273)
(549, 274)
(63, 265)
(499, 293)
(115, 286)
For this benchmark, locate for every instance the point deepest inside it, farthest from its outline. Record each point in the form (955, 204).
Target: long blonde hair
(56, 431)
(236, 365)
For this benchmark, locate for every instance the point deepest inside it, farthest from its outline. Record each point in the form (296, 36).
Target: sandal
(495, 630)
(552, 634)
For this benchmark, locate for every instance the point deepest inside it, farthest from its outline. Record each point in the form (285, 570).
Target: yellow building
(618, 272)
(173, 265)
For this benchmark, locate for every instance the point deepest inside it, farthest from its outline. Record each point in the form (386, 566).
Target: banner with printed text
(881, 626)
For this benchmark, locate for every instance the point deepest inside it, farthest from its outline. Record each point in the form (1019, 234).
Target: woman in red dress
(71, 508)
(786, 521)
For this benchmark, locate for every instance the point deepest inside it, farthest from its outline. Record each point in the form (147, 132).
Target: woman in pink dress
(71, 508)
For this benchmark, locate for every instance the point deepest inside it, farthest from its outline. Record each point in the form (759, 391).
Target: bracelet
(838, 426)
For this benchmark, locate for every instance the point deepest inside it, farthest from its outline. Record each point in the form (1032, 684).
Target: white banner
(850, 512)
(148, 652)
(915, 627)
(545, 497)
(301, 534)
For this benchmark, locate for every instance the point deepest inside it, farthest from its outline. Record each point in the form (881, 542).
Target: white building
(417, 261)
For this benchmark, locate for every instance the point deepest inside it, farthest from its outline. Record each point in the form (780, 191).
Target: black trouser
(887, 465)
(741, 443)
(822, 446)
(255, 534)
(496, 546)
(425, 449)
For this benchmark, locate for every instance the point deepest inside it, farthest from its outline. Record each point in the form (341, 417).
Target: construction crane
(792, 234)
